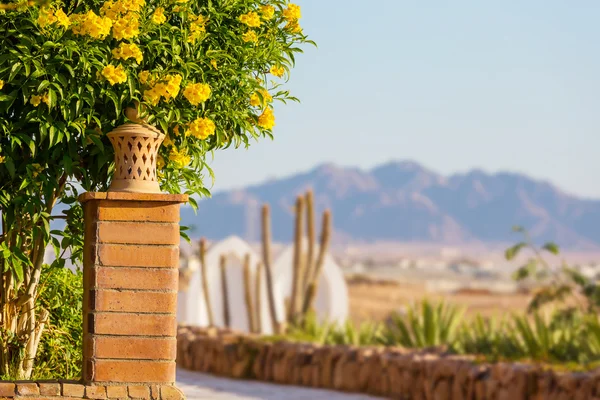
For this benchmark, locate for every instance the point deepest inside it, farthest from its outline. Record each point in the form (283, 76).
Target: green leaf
(552, 248)
(513, 251)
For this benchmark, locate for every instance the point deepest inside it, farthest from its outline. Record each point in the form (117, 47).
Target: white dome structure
(331, 303)
(191, 308)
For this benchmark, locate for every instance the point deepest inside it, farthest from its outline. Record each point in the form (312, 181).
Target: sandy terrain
(375, 301)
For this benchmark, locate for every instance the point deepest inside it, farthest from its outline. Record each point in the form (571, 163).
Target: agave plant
(364, 334)
(558, 338)
(425, 325)
(489, 337)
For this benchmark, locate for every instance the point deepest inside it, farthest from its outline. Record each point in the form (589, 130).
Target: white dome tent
(331, 303)
(191, 308)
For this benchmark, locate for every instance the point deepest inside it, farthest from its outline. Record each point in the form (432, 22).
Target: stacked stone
(387, 372)
(76, 390)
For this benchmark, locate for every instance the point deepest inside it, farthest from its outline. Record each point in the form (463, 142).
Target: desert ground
(376, 300)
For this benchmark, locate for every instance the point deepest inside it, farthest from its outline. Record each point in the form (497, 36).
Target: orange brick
(136, 278)
(135, 348)
(119, 255)
(139, 392)
(158, 197)
(148, 302)
(114, 210)
(138, 233)
(50, 389)
(134, 324)
(155, 392)
(7, 389)
(134, 371)
(28, 389)
(116, 392)
(171, 393)
(95, 392)
(73, 390)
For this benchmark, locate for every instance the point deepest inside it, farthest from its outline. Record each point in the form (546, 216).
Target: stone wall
(387, 372)
(76, 390)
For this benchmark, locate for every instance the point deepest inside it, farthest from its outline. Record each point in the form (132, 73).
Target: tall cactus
(248, 295)
(266, 247)
(203, 274)
(225, 292)
(323, 247)
(258, 297)
(295, 301)
(310, 231)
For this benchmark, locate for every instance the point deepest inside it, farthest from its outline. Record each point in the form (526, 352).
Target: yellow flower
(292, 13)
(115, 9)
(250, 36)
(267, 119)
(277, 70)
(160, 162)
(179, 159)
(213, 62)
(35, 100)
(62, 18)
(158, 17)
(182, 1)
(176, 130)
(255, 99)
(126, 27)
(251, 19)
(267, 12)
(46, 99)
(168, 90)
(1, 84)
(114, 75)
(144, 77)
(46, 17)
(293, 26)
(197, 28)
(168, 142)
(126, 51)
(2, 159)
(202, 128)
(197, 93)
(90, 24)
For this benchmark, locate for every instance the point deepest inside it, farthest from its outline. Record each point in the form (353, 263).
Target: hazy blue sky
(505, 85)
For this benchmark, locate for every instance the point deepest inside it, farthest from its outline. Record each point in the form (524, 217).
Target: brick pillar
(131, 256)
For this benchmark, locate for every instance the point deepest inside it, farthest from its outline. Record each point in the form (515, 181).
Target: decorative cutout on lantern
(136, 148)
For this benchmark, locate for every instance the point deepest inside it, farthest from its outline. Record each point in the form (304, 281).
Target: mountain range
(406, 202)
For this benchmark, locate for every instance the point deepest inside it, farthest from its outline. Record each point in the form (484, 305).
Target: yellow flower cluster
(48, 17)
(168, 88)
(158, 16)
(202, 128)
(116, 9)
(250, 36)
(145, 77)
(255, 99)
(90, 24)
(36, 100)
(126, 27)
(267, 119)
(277, 70)
(292, 12)
(197, 28)
(114, 74)
(1, 84)
(197, 93)
(267, 12)
(180, 159)
(251, 19)
(126, 51)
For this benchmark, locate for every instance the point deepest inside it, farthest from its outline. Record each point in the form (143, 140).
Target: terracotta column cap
(125, 196)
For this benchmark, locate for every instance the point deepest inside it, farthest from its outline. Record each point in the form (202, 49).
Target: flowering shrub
(205, 73)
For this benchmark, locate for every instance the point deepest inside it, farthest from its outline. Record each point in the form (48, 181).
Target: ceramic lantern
(136, 149)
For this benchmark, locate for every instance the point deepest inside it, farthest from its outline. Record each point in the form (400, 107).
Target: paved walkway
(198, 386)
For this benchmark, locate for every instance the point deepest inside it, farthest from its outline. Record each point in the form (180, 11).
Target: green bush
(59, 354)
